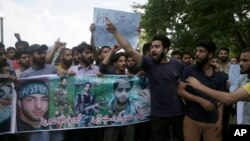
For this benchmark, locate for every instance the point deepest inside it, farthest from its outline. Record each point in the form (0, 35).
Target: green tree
(186, 21)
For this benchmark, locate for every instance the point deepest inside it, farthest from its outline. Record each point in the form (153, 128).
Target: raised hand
(92, 27)
(110, 27)
(18, 37)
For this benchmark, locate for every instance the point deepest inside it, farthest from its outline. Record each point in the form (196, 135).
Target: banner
(125, 22)
(51, 103)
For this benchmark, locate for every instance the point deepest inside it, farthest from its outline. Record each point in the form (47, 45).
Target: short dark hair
(186, 53)
(24, 43)
(20, 51)
(118, 55)
(63, 77)
(87, 84)
(83, 46)
(223, 48)
(10, 48)
(146, 48)
(64, 50)
(103, 47)
(176, 52)
(245, 50)
(165, 41)
(209, 45)
(116, 83)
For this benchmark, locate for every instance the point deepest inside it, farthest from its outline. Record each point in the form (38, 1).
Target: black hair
(165, 41)
(118, 55)
(74, 49)
(245, 50)
(64, 50)
(11, 48)
(20, 51)
(83, 46)
(176, 52)
(209, 45)
(186, 53)
(87, 83)
(103, 47)
(223, 48)
(24, 43)
(63, 77)
(146, 48)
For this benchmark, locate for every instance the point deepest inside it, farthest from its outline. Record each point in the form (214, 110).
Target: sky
(44, 21)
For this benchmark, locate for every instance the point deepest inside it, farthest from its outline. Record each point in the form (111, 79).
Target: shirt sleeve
(247, 87)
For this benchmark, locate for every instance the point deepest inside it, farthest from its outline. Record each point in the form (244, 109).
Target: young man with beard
(85, 66)
(38, 65)
(223, 54)
(22, 58)
(242, 93)
(65, 61)
(167, 108)
(33, 105)
(203, 114)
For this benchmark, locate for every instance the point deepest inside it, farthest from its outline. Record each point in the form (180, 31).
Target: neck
(84, 65)
(120, 107)
(65, 67)
(164, 60)
(208, 69)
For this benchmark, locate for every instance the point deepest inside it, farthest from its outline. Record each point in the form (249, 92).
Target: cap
(33, 88)
(35, 47)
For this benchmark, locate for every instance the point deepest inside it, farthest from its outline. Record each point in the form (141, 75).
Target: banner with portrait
(60, 103)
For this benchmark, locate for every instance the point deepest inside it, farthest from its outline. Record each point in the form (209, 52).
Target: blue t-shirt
(47, 69)
(163, 82)
(216, 81)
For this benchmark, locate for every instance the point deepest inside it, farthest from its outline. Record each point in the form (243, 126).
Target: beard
(161, 56)
(88, 61)
(201, 63)
(40, 62)
(3, 62)
(67, 63)
(25, 65)
(29, 116)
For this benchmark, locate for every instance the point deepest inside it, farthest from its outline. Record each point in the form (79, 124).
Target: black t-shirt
(163, 82)
(217, 81)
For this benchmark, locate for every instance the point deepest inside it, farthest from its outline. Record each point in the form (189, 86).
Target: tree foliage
(226, 22)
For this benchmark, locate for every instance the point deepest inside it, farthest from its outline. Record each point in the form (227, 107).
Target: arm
(51, 54)
(220, 117)
(207, 105)
(225, 97)
(123, 42)
(92, 42)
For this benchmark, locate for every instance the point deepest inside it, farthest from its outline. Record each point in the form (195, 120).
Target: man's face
(104, 53)
(39, 58)
(11, 54)
(120, 64)
(130, 62)
(67, 58)
(87, 88)
(186, 59)
(24, 60)
(245, 63)
(215, 62)
(86, 57)
(64, 82)
(34, 107)
(223, 55)
(202, 56)
(157, 51)
(122, 92)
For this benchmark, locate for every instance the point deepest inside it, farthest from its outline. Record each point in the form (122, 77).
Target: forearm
(50, 55)
(220, 112)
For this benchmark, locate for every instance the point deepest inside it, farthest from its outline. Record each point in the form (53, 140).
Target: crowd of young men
(178, 111)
